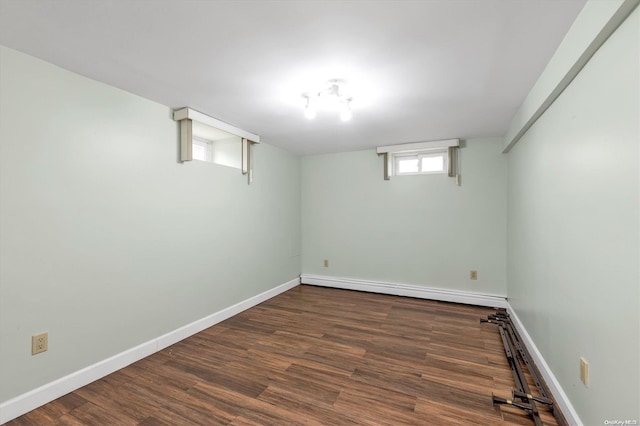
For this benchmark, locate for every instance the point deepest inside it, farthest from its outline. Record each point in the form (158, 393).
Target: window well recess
(204, 138)
(421, 158)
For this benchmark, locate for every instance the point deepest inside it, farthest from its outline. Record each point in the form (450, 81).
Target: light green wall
(593, 16)
(573, 231)
(420, 230)
(107, 240)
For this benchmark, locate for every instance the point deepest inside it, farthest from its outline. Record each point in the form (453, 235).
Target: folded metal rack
(521, 397)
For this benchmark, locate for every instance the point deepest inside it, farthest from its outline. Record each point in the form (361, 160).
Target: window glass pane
(216, 146)
(407, 165)
(432, 164)
(199, 152)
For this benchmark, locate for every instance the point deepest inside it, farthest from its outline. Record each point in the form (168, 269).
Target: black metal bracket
(522, 397)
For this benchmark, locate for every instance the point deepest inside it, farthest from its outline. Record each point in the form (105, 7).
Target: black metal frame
(521, 396)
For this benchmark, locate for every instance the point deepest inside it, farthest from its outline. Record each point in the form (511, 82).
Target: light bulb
(345, 113)
(310, 112)
(309, 109)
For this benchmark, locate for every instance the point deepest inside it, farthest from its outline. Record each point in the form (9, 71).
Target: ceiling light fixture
(328, 98)
(310, 109)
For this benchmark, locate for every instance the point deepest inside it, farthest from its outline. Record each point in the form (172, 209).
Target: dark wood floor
(314, 356)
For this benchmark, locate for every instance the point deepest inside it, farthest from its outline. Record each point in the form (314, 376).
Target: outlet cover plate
(39, 343)
(584, 372)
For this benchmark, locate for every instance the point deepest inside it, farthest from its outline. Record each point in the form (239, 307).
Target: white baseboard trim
(563, 401)
(406, 290)
(35, 398)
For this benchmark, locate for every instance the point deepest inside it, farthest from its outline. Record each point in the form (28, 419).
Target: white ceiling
(418, 70)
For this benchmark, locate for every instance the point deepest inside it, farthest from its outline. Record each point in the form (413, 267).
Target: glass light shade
(310, 112)
(345, 113)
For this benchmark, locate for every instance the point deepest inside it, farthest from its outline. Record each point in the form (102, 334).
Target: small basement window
(202, 149)
(204, 138)
(421, 158)
(420, 164)
(216, 146)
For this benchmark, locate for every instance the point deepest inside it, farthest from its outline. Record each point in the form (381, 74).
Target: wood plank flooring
(313, 356)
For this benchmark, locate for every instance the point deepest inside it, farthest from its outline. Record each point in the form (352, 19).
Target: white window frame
(208, 146)
(416, 148)
(443, 153)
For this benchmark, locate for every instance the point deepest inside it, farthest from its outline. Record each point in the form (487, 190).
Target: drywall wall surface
(573, 232)
(593, 17)
(421, 230)
(107, 240)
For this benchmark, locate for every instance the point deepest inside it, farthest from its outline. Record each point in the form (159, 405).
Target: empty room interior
(319, 212)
